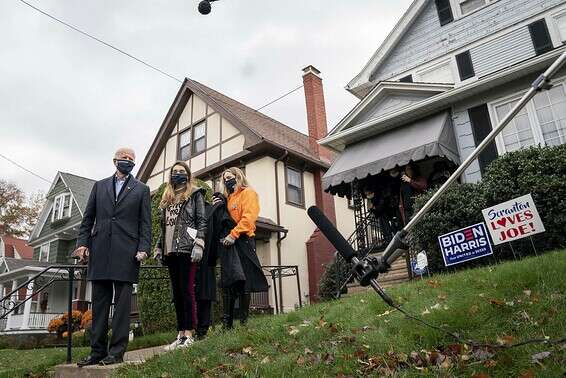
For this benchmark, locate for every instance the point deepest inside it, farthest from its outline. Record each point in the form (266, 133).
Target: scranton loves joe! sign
(513, 220)
(466, 244)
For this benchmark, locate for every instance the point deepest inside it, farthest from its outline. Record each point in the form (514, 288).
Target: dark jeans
(204, 315)
(183, 273)
(102, 292)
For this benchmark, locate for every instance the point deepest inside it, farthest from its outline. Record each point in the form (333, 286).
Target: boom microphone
(331, 233)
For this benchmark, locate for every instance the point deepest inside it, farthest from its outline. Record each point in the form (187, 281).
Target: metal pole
(538, 85)
(275, 291)
(299, 286)
(70, 315)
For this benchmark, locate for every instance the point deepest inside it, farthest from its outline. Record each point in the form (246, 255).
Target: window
(294, 180)
(406, 79)
(199, 138)
(542, 121)
(445, 15)
(465, 66)
(185, 145)
(44, 252)
(468, 6)
(192, 141)
(540, 36)
(481, 127)
(61, 207)
(560, 21)
(439, 73)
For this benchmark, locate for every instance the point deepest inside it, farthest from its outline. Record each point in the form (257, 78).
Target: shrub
(157, 313)
(59, 325)
(334, 275)
(540, 171)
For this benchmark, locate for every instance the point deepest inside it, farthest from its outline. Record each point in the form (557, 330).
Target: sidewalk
(132, 357)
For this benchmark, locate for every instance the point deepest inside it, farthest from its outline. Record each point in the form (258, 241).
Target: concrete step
(132, 357)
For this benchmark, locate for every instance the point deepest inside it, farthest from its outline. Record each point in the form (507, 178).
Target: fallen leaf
(536, 358)
(321, 322)
(433, 283)
(496, 302)
(527, 292)
(266, 360)
(301, 361)
(425, 312)
(474, 309)
(441, 297)
(385, 313)
(480, 375)
(293, 330)
(527, 374)
(505, 340)
(482, 354)
(436, 307)
(248, 350)
(490, 363)
(308, 351)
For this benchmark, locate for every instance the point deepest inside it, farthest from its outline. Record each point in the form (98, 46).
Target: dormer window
(468, 6)
(61, 207)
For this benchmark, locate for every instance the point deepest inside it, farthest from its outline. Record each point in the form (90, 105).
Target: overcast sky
(67, 102)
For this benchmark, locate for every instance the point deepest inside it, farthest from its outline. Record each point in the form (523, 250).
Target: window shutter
(481, 127)
(465, 66)
(540, 36)
(406, 79)
(444, 12)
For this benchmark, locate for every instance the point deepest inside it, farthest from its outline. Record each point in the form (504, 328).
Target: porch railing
(39, 320)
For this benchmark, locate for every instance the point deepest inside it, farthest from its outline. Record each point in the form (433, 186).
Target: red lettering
(529, 215)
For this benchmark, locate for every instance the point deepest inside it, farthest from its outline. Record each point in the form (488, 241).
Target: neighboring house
(212, 132)
(51, 242)
(448, 72)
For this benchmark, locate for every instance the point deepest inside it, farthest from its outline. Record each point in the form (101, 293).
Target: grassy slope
(36, 362)
(470, 303)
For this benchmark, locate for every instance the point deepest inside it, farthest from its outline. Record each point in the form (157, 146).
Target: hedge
(157, 313)
(540, 171)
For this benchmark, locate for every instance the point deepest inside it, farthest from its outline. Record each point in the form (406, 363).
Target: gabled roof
(13, 264)
(20, 246)
(256, 126)
(380, 91)
(362, 79)
(80, 188)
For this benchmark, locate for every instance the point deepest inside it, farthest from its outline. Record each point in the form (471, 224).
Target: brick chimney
(316, 110)
(319, 250)
(2, 229)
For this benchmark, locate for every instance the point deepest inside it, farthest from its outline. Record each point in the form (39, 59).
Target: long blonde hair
(241, 180)
(169, 196)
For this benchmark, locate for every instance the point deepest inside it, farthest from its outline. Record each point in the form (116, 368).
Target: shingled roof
(80, 187)
(258, 127)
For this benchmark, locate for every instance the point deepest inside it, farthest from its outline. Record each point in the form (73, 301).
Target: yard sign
(466, 244)
(513, 220)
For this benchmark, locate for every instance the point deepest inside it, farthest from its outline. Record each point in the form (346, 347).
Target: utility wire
(86, 34)
(25, 169)
(280, 97)
(101, 41)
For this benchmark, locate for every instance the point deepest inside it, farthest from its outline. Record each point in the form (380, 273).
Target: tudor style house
(211, 132)
(447, 73)
(51, 242)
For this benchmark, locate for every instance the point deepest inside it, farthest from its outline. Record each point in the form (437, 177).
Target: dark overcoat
(239, 263)
(115, 230)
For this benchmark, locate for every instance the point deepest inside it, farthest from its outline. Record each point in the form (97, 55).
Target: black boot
(228, 301)
(244, 307)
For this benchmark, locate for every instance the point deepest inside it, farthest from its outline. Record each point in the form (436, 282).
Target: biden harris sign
(466, 244)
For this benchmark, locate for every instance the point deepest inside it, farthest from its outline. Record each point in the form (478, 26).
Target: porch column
(27, 305)
(14, 297)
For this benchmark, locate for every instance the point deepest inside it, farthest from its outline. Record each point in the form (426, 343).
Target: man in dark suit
(114, 237)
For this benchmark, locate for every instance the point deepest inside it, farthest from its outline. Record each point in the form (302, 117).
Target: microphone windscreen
(331, 233)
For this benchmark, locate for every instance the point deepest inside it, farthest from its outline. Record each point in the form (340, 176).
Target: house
(447, 73)
(51, 243)
(211, 132)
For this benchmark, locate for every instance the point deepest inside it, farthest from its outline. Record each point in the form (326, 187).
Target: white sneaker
(174, 345)
(186, 342)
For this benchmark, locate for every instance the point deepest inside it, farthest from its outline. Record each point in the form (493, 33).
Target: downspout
(279, 238)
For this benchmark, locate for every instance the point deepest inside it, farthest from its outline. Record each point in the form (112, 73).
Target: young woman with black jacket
(180, 246)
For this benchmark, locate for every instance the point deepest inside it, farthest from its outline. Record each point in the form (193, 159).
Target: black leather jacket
(193, 215)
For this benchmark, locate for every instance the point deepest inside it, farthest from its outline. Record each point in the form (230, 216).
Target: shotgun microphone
(331, 233)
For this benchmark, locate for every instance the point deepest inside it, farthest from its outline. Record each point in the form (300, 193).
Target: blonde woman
(180, 246)
(241, 270)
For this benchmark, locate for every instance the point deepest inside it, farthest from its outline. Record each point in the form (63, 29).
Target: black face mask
(230, 185)
(125, 166)
(179, 179)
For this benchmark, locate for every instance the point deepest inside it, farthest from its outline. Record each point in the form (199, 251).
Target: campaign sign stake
(513, 220)
(466, 244)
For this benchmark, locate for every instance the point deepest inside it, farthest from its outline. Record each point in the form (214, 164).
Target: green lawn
(357, 335)
(38, 362)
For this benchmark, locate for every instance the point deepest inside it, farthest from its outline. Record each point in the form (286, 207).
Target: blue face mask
(179, 179)
(124, 166)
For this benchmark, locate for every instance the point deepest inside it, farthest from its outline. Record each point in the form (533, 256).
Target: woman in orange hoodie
(244, 270)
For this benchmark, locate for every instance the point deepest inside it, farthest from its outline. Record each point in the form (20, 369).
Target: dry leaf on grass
(433, 283)
(527, 374)
(538, 357)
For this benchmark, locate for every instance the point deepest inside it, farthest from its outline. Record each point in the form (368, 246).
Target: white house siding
(387, 105)
(426, 40)
(463, 127)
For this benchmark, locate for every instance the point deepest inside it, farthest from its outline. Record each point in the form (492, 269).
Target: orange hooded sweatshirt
(243, 206)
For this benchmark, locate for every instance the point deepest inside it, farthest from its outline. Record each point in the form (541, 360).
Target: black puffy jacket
(193, 215)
